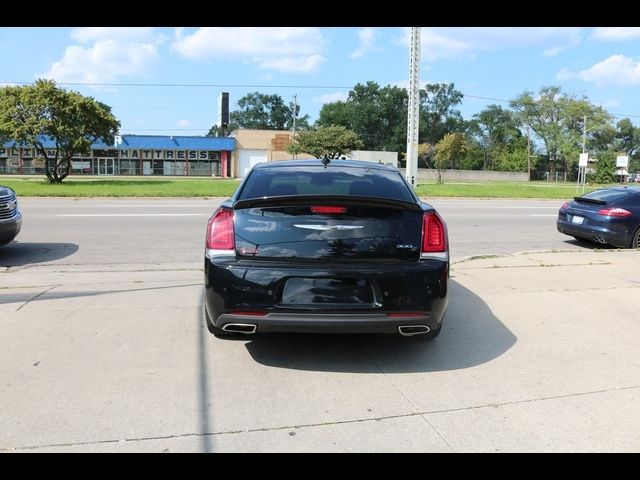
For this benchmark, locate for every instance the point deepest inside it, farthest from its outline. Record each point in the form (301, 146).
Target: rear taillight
(406, 314)
(328, 209)
(220, 230)
(434, 234)
(249, 313)
(564, 206)
(614, 212)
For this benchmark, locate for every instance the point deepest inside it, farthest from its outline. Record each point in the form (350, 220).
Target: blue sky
(316, 64)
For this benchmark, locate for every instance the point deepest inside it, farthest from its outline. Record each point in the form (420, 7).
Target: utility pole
(413, 118)
(584, 132)
(528, 155)
(295, 109)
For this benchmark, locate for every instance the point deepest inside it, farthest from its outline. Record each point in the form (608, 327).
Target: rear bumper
(234, 286)
(327, 323)
(618, 237)
(10, 228)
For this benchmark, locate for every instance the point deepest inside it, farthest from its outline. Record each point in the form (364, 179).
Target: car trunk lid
(328, 229)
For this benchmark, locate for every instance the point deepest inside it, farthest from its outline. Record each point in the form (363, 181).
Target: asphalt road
(170, 231)
(105, 349)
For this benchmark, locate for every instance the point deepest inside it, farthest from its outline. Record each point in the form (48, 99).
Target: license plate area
(328, 292)
(577, 219)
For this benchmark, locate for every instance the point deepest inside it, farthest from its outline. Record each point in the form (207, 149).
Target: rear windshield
(333, 180)
(608, 195)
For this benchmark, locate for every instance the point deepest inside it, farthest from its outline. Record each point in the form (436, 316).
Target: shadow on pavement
(589, 245)
(18, 254)
(206, 438)
(471, 335)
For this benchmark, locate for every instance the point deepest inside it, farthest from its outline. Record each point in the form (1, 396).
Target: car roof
(312, 162)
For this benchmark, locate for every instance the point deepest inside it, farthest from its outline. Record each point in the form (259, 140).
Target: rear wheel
(635, 241)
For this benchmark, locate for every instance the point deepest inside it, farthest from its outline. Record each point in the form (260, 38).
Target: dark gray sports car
(607, 215)
(325, 246)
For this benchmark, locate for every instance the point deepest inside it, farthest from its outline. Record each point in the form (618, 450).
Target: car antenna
(325, 161)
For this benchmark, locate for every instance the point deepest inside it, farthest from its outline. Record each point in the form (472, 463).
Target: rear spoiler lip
(590, 200)
(324, 200)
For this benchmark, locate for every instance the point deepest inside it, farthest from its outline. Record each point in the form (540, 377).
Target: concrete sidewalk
(539, 352)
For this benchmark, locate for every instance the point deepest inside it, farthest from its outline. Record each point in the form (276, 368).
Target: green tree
(332, 141)
(558, 120)
(426, 155)
(378, 115)
(449, 150)
(627, 137)
(32, 114)
(266, 112)
(438, 112)
(214, 131)
(605, 171)
(496, 131)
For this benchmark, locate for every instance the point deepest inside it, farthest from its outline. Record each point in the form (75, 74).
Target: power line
(509, 101)
(195, 85)
(238, 85)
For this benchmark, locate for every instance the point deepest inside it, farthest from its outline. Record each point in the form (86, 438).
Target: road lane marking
(131, 215)
(543, 215)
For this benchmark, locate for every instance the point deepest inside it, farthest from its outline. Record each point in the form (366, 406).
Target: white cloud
(331, 97)
(612, 103)
(184, 123)
(403, 84)
(111, 53)
(367, 38)
(617, 70)
(98, 34)
(565, 74)
(615, 33)
(285, 49)
(466, 42)
(293, 64)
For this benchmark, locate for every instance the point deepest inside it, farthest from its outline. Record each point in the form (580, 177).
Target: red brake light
(406, 314)
(220, 234)
(434, 236)
(564, 205)
(331, 210)
(614, 212)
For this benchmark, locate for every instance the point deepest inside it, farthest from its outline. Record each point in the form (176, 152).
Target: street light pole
(584, 132)
(295, 108)
(528, 155)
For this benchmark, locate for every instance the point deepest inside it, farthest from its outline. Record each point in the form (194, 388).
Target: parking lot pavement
(538, 353)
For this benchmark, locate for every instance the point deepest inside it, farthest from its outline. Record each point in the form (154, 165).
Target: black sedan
(325, 246)
(607, 216)
(10, 216)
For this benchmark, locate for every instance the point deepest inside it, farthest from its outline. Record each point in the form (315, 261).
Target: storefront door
(105, 166)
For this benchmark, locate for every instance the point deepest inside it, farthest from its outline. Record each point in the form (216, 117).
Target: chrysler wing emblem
(329, 227)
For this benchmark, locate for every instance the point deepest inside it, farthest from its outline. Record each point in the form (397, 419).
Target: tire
(635, 241)
(215, 331)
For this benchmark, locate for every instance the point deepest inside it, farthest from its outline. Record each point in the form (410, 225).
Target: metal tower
(413, 119)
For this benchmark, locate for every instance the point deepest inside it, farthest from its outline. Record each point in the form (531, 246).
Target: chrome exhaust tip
(246, 328)
(410, 330)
